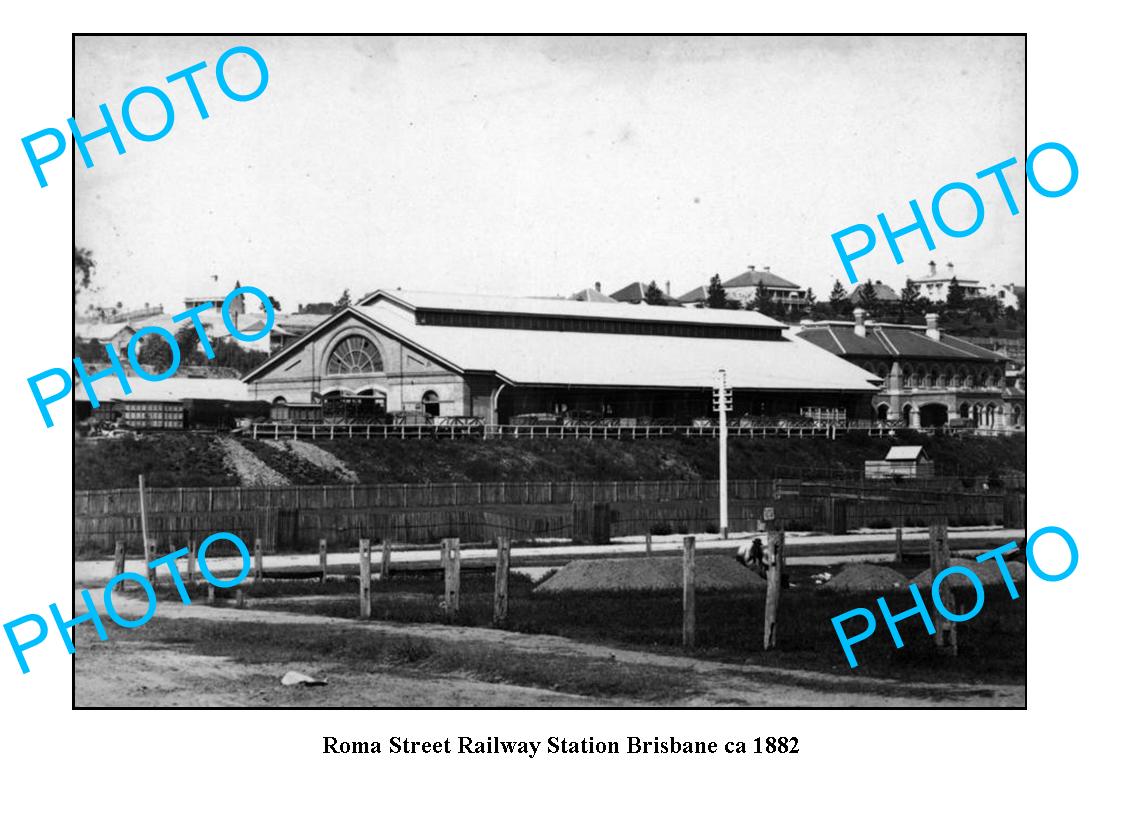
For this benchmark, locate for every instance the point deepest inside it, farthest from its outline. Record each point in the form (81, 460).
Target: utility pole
(723, 403)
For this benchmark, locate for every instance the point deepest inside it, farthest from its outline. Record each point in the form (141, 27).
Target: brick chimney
(752, 268)
(860, 322)
(933, 329)
(667, 291)
(597, 285)
(932, 269)
(768, 269)
(951, 268)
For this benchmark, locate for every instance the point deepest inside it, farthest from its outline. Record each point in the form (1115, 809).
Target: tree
(343, 302)
(762, 300)
(840, 303)
(190, 352)
(867, 296)
(84, 265)
(956, 296)
(809, 303)
(910, 297)
(715, 294)
(155, 356)
(228, 354)
(653, 295)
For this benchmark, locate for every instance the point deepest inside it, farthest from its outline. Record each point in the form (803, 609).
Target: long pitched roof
(100, 331)
(636, 292)
(893, 341)
(881, 292)
(755, 277)
(589, 358)
(505, 304)
(172, 389)
(591, 295)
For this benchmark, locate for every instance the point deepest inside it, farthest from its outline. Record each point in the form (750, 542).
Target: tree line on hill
(957, 312)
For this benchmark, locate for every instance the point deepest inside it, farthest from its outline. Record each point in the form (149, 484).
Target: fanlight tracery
(354, 355)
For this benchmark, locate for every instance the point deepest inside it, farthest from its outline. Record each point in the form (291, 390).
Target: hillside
(186, 460)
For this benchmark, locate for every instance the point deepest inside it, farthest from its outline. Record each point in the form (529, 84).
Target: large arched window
(354, 355)
(431, 403)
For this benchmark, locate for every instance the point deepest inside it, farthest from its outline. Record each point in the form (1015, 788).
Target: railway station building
(497, 357)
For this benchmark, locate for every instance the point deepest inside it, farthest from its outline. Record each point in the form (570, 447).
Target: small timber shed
(902, 462)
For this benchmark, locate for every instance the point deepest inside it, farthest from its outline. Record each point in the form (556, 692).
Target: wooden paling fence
(292, 518)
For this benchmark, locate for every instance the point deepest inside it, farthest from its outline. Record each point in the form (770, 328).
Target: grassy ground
(264, 643)
(729, 624)
(181, 460)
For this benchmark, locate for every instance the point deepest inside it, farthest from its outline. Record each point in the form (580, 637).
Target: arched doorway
(882, 412)
(976, 415)
(1016, 416)
(965, 411)
(933, 416)
(431, 403)
(906, 415)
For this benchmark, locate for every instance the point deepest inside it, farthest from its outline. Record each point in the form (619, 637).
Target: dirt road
(129, 671)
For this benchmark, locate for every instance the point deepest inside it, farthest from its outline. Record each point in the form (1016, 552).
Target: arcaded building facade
(929, 378)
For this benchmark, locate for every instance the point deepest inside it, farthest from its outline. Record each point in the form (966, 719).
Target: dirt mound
(987, 571)
(866, 578)
(645, 574)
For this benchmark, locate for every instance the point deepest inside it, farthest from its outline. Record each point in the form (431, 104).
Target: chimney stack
(667, 291)
(597, 284)
(768, 269)
(933, 329)
(951, 268)
(932, 268)
(860, 322)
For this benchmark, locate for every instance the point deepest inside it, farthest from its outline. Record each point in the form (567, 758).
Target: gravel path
(316, 456)
(250, 470)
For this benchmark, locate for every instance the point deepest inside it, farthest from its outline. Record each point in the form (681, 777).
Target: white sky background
(536, 166)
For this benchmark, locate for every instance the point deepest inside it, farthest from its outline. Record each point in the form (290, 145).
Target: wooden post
(149, 554)
(688, 592)
(947, 642)
(258, 567)
(450, 551)
(192, 557)
(323, 560)
(502, 571)
(118, 558)
(210, 594)
(384, 569)
(900, 546)
(647, 542)
(774, 560)
(144, 527)
(240, 599)
(364, 578)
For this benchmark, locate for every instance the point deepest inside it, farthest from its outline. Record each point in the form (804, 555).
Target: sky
(539, 166)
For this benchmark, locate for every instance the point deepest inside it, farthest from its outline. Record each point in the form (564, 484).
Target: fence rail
(279, 431)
